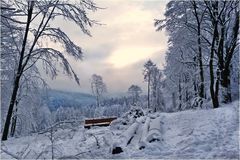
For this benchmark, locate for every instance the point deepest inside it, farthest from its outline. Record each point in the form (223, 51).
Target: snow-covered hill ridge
(212, 133)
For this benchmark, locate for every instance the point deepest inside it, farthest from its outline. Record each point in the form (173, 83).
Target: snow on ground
(212, 133)
(197, 134)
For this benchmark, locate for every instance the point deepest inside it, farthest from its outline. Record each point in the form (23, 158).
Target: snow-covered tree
(8, 57)
(156, 89)
(224, 17)
(147, 73)
(185, 64)
(37, 27)
(29, 87)
(135, 92)
(154, 77)
(98, 87)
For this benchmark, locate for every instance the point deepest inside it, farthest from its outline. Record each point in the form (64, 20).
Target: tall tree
(98, 87)
(147, 72)
(11, 33)
(184, 56)
(135, 92)
(156, 89)
(199, 15)
(225, 15)
(45, 11)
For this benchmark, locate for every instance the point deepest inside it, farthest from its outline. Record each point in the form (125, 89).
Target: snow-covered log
(129, 133)
(127, 136)
(142, 142)
(154, 130)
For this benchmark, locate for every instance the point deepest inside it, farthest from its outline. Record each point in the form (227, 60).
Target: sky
(117, 49)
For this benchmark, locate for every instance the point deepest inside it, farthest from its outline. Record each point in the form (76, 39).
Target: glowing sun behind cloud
(127, 56)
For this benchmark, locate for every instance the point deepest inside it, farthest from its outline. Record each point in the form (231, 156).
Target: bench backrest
(99, 120)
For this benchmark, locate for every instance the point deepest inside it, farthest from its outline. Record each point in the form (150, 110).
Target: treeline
(108, 108)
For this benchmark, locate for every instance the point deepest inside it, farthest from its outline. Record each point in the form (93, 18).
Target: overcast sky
(118, 49)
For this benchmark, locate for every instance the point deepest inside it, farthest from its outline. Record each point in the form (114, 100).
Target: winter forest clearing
(96, 79)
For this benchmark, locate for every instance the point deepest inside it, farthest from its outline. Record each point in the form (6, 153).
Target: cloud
(118, 49)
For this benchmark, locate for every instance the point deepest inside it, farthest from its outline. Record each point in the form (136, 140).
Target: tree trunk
(187, 96)
(217, 89)
(154, 95)
(10, 109)
(226, 87)
(201, 73)
(201, 88)
(214, 96)
(98, 100)
(174, 100)
(180, 95)
(195, 88)
(212, 92)
(14, 121)
(13, 126)
(18, 75)
(149, 91)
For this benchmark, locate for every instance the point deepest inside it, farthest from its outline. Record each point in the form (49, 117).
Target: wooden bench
(98, 122)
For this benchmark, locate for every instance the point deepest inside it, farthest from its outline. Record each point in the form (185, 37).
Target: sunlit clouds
(126, 56)
(118, 48)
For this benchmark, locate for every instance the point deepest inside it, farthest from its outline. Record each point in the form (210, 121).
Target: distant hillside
(57, 98)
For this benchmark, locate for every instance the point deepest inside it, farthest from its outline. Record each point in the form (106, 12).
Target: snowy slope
(197, 134)
(207, 134)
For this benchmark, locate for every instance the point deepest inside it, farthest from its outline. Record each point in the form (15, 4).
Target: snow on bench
(154, 130)
(98, 122)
